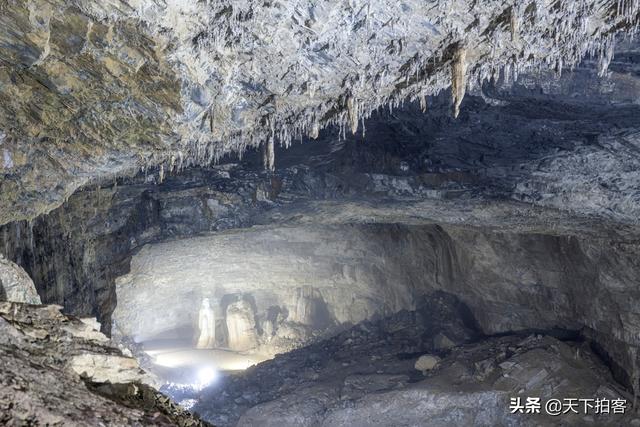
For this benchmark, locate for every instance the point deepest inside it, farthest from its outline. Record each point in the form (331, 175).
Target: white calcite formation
(241, 326)
(206, 326)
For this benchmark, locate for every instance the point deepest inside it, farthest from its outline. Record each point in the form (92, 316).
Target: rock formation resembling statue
(241, 326)
(206, 325)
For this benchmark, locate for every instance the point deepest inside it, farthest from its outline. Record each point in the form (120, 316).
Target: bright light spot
(206, 376)
(221, 360)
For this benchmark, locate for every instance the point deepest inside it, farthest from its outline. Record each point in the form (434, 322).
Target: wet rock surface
(45, 380)
(367, 376)
(553, 156)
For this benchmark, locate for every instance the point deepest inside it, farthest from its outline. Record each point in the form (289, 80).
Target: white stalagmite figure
(207, 326)
(241, 326)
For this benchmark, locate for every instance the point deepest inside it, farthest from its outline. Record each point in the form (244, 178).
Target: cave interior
(193, 233)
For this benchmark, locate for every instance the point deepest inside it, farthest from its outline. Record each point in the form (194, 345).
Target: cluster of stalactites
(456, 67)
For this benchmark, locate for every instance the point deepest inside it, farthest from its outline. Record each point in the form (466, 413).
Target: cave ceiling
(91, 90)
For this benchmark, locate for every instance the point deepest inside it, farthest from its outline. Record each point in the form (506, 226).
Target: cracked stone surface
(45, 379)
(530, 166)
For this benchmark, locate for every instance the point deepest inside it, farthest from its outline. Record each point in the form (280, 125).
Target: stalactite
(458, 78)
(514, 25)
(227, 30)
(352, 108)
(269, 155)
(606, 55)
(315, 130)
(423, 103)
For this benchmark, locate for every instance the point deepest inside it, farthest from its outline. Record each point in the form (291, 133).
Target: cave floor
(177, 361)
(368, 375)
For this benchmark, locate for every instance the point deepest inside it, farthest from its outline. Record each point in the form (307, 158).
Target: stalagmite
(514, 24)
(206, 326)
(241, 326)
(302, 311)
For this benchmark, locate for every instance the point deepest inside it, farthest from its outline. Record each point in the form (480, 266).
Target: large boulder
(15, 284)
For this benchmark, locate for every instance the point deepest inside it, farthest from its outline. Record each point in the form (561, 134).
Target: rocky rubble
(53, 372)
(366, 376)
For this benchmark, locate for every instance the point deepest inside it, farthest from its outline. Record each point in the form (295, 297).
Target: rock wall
(556, 158)
(510, 281)
(242, 333)
(75, 252)
(292, 281)
(541, 165)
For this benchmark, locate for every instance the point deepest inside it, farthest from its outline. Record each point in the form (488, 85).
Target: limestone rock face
(53, 373)
(309, 308)
(102, 368)
(15, 284)
(298, 280)
(241, 326)
(86, 84)
(534, 162)
(510, 281)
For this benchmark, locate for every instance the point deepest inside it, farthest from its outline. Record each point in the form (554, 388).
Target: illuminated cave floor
(367, 375)
(178, 364)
